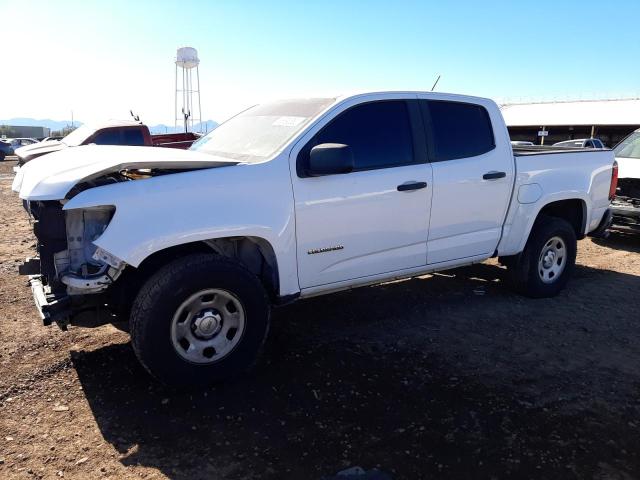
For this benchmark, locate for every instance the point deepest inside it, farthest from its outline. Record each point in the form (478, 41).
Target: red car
(120, 132)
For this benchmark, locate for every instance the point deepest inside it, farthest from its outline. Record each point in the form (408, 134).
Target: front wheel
(547, 262)
(200, 319)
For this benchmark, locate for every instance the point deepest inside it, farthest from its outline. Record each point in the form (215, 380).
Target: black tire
(524, 274)
(163, 294)
(2, 155)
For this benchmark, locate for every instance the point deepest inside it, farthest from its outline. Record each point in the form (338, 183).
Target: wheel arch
(570, 207)
(255, 253)
(573, 210)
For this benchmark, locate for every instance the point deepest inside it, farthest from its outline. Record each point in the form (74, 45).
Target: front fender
(165, 211)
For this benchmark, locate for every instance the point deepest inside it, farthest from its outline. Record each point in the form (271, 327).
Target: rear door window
(457, 129)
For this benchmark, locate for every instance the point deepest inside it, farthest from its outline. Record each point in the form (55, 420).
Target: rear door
(375, 219)
(473, 174)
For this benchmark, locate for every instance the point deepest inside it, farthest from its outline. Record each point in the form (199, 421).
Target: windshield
(78, 136)
(259, 132)
(629, 147)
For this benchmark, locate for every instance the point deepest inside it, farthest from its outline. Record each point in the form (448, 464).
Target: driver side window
(379, 134)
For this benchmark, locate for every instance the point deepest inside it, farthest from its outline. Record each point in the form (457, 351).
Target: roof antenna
(436, 83)
(135, 117)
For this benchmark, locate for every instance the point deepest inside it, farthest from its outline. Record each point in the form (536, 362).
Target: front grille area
(50, 231)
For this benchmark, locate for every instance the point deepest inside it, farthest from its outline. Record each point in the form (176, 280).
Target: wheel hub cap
(207, 324)
(553, 259)
(549, 258)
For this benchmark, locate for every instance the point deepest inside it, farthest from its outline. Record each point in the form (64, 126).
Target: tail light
(614, 181)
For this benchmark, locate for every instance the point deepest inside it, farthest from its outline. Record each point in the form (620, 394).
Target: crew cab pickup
(293, 199)
(114, 132)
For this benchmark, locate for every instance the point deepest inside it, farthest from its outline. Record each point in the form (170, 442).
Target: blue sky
(100, 59)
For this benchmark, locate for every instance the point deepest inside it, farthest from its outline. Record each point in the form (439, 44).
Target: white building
(609, 120)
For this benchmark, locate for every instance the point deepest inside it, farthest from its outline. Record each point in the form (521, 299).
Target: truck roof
(358, 93)
(113, 123)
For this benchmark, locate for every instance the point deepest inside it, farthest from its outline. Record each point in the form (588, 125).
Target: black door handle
(493, 175)
(407, 187)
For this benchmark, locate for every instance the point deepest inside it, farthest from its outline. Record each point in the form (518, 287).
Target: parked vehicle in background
(521, 143)
(22, 142)
(10, 145)
(626, 205)
(293, 199)
(581, 143)
(5, 149)
(114, 132)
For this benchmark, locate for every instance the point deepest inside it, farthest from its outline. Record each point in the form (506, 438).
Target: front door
(374, 219)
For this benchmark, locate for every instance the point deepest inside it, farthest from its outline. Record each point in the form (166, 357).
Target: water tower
(187, 111)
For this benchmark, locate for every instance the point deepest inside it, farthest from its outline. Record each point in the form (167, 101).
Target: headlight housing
(83, 226)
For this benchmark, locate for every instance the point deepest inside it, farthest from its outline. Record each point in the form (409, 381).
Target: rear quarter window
(457, 130)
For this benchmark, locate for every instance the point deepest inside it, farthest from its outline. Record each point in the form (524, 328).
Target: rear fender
(516, 234)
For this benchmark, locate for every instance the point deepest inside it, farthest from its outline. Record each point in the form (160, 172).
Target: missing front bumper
(51, 308)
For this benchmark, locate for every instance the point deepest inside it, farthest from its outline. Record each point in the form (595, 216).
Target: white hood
(39, 148)
(51, 177)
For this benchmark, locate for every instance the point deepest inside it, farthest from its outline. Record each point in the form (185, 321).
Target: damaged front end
(71, 272)
(71, 275)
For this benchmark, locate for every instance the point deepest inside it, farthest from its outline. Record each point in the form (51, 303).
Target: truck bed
(174, 140)
(523, 150)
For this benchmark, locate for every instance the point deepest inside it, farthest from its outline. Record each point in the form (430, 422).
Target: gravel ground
(443, 376)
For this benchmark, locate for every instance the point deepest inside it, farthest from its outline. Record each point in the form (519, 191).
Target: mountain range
(32, 122)
(56, 125)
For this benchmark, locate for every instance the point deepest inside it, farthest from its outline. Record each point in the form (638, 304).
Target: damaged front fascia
(79, 285)
(83, 267)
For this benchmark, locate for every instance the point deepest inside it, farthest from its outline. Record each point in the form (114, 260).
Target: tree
(64, 132)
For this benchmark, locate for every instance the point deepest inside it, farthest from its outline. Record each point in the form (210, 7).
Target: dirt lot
(444, 376)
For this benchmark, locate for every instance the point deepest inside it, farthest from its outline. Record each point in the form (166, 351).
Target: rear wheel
(200, 319)
(548, 260)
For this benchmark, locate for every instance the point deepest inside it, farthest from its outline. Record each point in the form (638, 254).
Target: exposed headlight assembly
(84, 267)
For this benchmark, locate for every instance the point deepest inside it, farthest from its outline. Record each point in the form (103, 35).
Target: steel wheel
(207, 326)
(553, 259)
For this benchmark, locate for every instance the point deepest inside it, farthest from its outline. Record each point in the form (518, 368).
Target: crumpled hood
(34, 150)
(51, 177)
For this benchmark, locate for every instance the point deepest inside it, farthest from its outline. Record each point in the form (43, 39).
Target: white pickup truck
(293, 199)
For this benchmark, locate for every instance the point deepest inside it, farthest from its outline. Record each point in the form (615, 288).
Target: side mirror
(330, 159)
